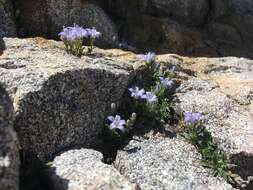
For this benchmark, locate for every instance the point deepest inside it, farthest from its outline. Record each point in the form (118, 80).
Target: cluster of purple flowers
(117, 123)
(166, 82)
(136, 92)
(149, 57)
(74, 33)
(193, 118)
(92, 33)
(142, 94)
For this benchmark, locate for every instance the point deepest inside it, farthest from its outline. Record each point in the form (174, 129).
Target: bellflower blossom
(71, 34)
(149, 57)
(137, 93)
(166, 82)
(150, 97)
(73, 39)
(193, 118)
(92, 33)
(117, 123)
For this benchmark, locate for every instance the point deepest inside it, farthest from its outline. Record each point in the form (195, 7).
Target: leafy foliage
(212, 157)
(152, 102)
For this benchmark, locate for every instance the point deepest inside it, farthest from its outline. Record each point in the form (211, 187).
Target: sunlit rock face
(84, 169)
(60, 100)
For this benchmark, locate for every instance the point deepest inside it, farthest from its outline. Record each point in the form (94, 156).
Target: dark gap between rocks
(243, 167)
(34, 174)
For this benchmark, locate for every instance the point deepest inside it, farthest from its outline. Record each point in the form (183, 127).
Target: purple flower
(136, 92)
(72, 34)
(193, 118)
(150, 97)
(173, 69)
(117, 123)
(166, 82)
(92, 33)
(149, 57)
(157, 89)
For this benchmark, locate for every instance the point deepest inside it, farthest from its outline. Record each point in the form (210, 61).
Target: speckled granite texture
(59, 100)
(160, 163)
(222, 89)
(83, 169)
(9, 156)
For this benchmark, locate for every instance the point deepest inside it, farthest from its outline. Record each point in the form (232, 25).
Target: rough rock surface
(46, 18)
(163, 163)
(218, 27)
(191, 12)
(161, 34)
(7, 23)
(84, 169)
(224, 26)
(230, 26)
(222, 88)
(59, 100)
(9, 156)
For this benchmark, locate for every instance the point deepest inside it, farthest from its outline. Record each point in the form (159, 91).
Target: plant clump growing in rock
(117, 125)
(151, 100)
(149, 104)
(197, 134)
(73, 38)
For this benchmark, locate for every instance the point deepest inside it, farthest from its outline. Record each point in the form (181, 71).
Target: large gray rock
(150, 33)
(163, 163)
(189, 12)
(83, 169)
(122, 8)
(46, 18)
(224, 27)
(7, 23)
(219, 27)
(241, 7)
(222, 89)
(230, 26)
(9, 156)
(59, 100)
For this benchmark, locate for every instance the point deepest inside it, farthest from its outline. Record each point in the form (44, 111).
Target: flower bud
(113, 107)
(133, 116)
(128, 123)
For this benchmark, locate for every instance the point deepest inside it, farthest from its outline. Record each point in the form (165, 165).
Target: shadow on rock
(2, 46)
(36, 174)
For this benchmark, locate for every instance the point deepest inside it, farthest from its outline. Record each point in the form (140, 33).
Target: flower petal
(111, 118)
